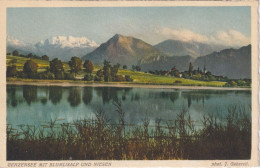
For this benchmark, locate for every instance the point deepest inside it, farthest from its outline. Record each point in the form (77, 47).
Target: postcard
(129, 84)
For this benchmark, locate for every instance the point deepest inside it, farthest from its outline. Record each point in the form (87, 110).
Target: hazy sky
(151, 24)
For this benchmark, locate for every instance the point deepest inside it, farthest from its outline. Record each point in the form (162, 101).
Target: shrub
(11, 71)
(46, 75)
(231, 83)
(119, 78)
(59, 75)
(177, 81)
(69, 76)
(128, 78)
(97, 78)
(21, 74)
(88, 77)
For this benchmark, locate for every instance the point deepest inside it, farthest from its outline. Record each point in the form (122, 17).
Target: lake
(35, 105)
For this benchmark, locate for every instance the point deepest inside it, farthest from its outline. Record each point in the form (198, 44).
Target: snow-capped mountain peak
(62, 47)
(67, 42)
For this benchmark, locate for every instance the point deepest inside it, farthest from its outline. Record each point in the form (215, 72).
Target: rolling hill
(233, 63)
(166, 63)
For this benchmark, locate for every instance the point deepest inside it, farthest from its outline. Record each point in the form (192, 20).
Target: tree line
(56, 70)
(202, 75)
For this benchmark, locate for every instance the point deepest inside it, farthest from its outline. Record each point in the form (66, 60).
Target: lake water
(34, 105)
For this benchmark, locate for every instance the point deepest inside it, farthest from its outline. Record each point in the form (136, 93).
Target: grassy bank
(98, 139)
(138, 77)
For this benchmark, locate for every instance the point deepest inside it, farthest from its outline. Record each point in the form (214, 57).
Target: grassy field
(147, 78)
(138, 77)
(19, 62)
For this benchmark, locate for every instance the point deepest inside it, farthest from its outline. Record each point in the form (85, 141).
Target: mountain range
(127, 50)
(194, 49)
(62, 47)
(233, 63)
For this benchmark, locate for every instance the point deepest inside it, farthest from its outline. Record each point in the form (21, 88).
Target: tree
(190, 69)
(45, 57)
(99, 75)
(30, 67)
(30, 55)
(75, 65)
(15, 53)
(107, 71)
(11, 71)
(124, 67)
(114, 71)
(138, 68)
(176, 73)
(56, 66)
(89, 66)
(133, 67)
(88, 77)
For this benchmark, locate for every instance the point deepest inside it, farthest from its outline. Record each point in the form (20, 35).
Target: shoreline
(127, 85)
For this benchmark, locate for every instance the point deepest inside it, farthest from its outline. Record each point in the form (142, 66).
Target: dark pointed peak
(117, 36)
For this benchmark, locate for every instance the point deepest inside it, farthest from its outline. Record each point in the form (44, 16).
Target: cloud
(15, 42)
(229, 38)
(69, 41)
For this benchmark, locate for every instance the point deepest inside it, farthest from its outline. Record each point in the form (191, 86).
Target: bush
(119, 78)
(21, 74)
(177, 81)
(59, 75)
(97, 78)
(88, 77)
(46, 75)
(11, 71)
(231, 83)
(69, 76)
(128, 78)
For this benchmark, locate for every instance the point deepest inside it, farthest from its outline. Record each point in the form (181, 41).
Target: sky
(219, 25)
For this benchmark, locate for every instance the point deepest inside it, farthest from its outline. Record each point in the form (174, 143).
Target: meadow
(138, 77)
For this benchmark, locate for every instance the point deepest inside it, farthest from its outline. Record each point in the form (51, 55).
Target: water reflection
(55, 94)
(30, 94)
(11, 93)
(87, 95)
(74, 97)
(111, 93)
(72, 103)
